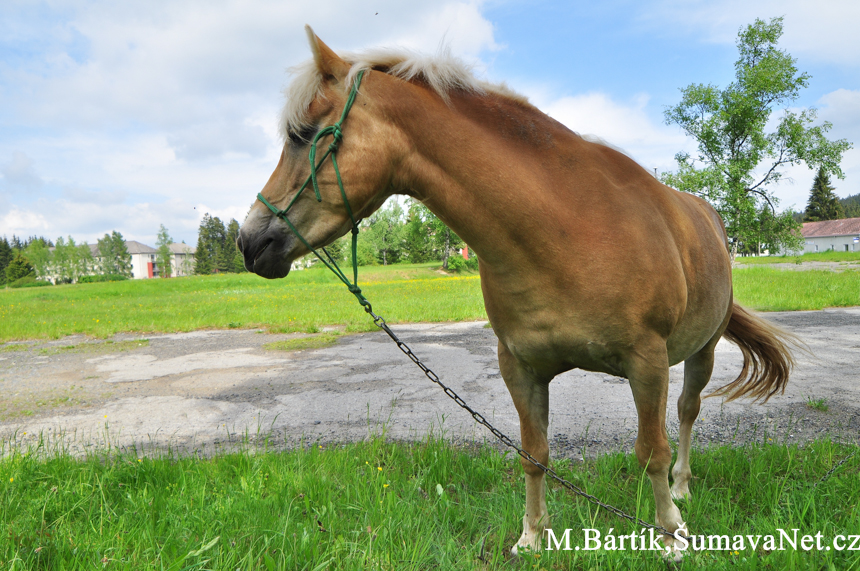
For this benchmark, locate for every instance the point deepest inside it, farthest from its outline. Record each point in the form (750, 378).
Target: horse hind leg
(531, 399)
(648, 373)
(697, 373)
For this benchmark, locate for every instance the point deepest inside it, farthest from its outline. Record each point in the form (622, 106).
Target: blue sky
(124, 116)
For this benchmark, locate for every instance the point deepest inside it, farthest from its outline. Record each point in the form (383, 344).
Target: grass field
(768, 289)
(386, 505)
(380, 504)
(305, 301)
(829, 256)
(311, 299)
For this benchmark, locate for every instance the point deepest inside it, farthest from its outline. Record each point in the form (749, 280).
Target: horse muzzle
(265, 253)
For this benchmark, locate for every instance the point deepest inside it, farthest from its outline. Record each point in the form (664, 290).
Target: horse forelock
(444, 73)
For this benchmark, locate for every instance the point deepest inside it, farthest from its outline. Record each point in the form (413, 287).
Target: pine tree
(232, 257)
(823, 204)
(18, 268)
(203, 258)
(851, 206)
(6, 254)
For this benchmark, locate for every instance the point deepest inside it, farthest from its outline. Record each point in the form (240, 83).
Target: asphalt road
(211, 390)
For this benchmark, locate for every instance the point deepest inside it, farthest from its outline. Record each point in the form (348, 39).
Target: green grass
(312, 299)
(817, 404)
(829, 256)
(387, 505)
(768, 289)
(304, 302)
(301, 343)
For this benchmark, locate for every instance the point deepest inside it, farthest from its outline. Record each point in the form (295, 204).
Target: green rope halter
(337, 136)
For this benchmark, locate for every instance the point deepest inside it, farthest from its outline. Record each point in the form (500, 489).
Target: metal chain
(834, 468)
(379, 321)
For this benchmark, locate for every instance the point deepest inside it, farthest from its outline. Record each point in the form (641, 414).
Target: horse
(586, 260)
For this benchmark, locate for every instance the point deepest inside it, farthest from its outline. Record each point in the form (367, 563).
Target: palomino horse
(586, 260)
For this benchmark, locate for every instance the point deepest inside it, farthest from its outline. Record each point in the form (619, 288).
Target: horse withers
(586, 260)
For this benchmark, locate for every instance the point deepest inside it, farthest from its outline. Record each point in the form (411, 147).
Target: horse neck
(479, 164)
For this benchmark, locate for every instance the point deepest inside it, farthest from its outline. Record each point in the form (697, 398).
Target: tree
(210, 243)
(6, 255)
(385, 232)
(733, 147)
(823, 204)
(236, 259)
(114, 256)
(61, 261)
(427, 237)
(851, 206)
(164, 255)
(40, 257)
(18, 268)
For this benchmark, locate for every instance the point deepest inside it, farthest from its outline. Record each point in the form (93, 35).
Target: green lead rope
(337, 135)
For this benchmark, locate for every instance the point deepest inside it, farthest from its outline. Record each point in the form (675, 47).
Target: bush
(29, 281)
(456, 263)
(101, 278)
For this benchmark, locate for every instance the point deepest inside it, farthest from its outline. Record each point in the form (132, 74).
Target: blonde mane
(444, 73)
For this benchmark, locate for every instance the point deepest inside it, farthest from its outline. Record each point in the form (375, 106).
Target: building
(144, 260)
(838, 235)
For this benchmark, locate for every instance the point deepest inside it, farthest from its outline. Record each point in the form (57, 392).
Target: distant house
(144, 260)
(839, 235)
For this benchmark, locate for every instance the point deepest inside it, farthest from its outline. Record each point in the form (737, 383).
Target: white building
(838, 235)
(144, 260)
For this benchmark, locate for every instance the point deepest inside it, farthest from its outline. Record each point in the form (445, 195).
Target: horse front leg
(649, 380)
(531, 399)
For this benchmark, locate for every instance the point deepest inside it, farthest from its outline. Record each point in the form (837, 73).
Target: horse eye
(303, 136)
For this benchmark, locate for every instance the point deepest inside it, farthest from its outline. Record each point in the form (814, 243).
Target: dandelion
(379, 468)
(384, 485)
(11, 479)
(140, 459)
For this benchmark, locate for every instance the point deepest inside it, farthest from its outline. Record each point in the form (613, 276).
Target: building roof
(134, 247)
(182, 249)
(843, 227)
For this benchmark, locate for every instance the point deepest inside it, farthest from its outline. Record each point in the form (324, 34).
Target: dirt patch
(207, 390)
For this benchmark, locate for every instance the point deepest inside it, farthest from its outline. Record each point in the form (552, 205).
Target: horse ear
(328, 62)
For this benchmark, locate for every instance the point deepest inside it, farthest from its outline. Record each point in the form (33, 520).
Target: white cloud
(20, 173)
(23, 222)
(626, 125)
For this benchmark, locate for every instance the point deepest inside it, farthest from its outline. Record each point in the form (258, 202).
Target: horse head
(365, 149)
